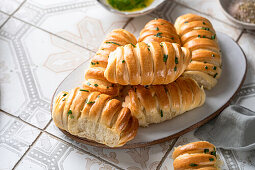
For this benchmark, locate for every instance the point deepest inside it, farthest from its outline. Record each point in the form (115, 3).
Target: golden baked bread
(198, 35)
(94, 76)
(94, 116)
(196, 155)
(159, 30)
(155, 104)
(142, 64)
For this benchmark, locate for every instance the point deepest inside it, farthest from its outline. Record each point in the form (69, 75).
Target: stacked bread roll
(91, 112)
(196, 155)
(94, 76)
(162, 79)
(94, 116)
(198, 35)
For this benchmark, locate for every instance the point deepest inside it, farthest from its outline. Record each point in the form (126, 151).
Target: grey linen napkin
(234, 129)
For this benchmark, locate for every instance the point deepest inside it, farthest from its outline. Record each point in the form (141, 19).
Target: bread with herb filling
(196, 155)
(155, 104)
(159, 30)
(198, 35)
(94, 116)
(142, 64)
(94, 76)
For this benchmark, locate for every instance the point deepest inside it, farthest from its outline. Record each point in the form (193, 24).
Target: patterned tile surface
(79, 22)
(3, 18)
(138, 159)
(49, 153)
(33, 63)
(9, 6)
(15, 139)
(43, 43)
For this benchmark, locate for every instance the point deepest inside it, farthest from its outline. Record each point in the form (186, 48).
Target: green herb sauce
(129, 5)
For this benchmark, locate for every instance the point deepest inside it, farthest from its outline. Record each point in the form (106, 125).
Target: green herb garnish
(133, 45)
(69, 112)
(213, 37)
(175, 68)
(213, 153)
(214, 67)
(213, 55)
(186, 22)
(149, 49)
(161, 113)
(206, 150)
(84, 90)
(123, 61)
(158, 34)
(110, 42)
(206, 67)
(71, 116)
(64, 94)
(211, 159)
(204, 23)
(199, 36)
(165, 57)
(193, 165)
(89, 102)
(157, 28)
(92, 63)
(176, 60)
(172, 38)
(95, 85)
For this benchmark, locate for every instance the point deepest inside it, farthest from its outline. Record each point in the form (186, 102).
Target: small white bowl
(148, 9)
(225, 4)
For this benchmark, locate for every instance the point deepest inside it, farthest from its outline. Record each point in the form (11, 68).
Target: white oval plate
(233, 73)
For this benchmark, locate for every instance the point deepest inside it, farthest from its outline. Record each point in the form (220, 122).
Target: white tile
(247, 42)
(15, 139)
(139, 158)
(3, 18)
(33, 63)
(50, 153)
(218, 26)
(209, 7)
(9, 6)
(85, 23)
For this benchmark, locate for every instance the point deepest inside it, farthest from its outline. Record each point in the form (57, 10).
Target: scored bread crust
(155, 104)
(94, 116)
(94, 76)
(198, 35)
(159, 30)
(196, 155)
(142, 64)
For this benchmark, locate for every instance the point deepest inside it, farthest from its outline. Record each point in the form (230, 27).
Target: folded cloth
(233, 129)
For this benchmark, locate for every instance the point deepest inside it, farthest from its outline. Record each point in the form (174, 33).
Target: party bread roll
(196, 155)
(159, 30)
(155, 104)
(94, 116)
(198, 35)
(94, 76)
(147, 64)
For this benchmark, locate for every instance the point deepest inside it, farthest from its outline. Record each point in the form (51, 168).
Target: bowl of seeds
(241, 12)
